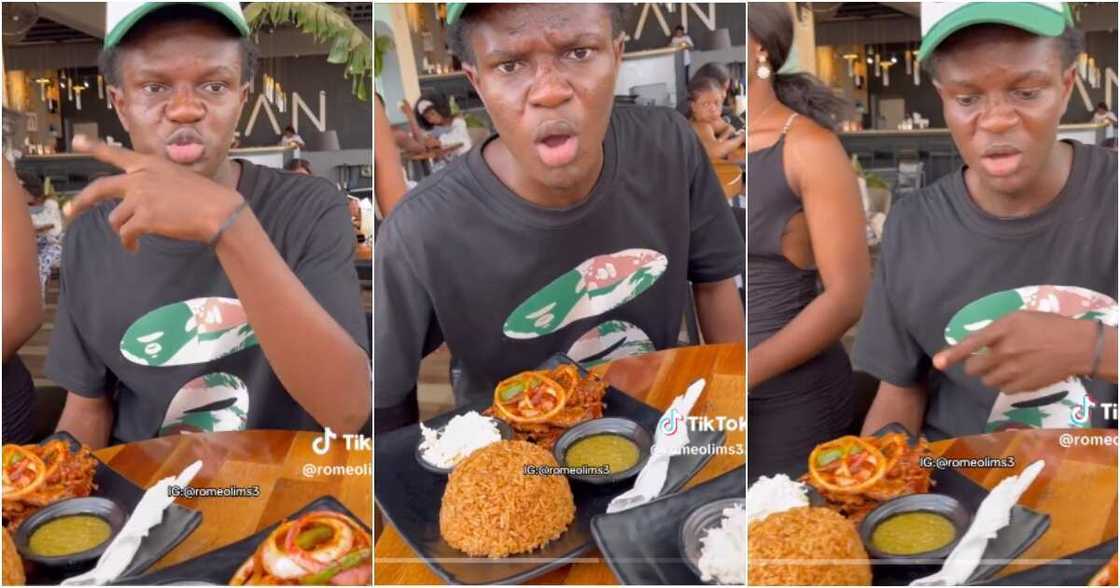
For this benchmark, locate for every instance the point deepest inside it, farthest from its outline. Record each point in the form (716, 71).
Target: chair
(730, 177)
(651, 94)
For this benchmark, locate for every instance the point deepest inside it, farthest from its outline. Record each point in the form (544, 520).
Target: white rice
(773, 495)
(465, 434)
(723, 549)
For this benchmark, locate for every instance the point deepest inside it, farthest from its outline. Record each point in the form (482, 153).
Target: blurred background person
(1103, 116)
(720, 73)
(46, 219)
(290, 138)
(705, 99)
(299, 166)
(808, 267)
(433, 125)
(681, 39)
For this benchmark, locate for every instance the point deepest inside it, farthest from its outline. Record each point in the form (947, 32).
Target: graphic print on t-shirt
(595, 286)
(1060, 405)
(213, 402)
(188, 332)
(608, 341)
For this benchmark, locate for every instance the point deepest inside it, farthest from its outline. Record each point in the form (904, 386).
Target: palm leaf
(329, 25)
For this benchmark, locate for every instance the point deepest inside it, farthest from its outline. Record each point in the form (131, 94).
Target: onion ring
(531, 381)
(845, 446)
(11, 491)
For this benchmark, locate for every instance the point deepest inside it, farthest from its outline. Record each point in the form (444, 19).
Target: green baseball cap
(941, 19)
(455, 11)
(120, 17)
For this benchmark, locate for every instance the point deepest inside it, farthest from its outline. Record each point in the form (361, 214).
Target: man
(577, 228)
(290, 138)
(201, 293)
(1007, 261)
(681, 39)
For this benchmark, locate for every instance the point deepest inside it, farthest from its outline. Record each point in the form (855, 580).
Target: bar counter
(885, 148)
(72, 171)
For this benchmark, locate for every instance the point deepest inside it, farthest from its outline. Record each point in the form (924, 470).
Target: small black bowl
(612, 425)
(103, 508)
(696, 525)
(503, 429)
(940, 504)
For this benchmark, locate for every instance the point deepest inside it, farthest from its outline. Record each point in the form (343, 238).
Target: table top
(1077, 488)
(656, 379)
(276, 461)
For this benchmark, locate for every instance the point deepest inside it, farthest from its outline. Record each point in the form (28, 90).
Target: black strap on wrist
(227, 224)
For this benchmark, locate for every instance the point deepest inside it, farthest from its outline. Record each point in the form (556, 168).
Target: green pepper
(855, 449)
(510, 392)
(828, 457)
(16, 458)
(346, 562)
(315, 535)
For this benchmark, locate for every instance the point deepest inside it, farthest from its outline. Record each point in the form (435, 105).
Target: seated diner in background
(719, 139)
(433, 126)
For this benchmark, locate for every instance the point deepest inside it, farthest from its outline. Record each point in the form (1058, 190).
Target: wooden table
(655, 378)
(273, 460)
(1077, 488)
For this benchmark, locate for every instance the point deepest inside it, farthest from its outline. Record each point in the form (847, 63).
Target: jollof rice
(492, 507)
(806, 546)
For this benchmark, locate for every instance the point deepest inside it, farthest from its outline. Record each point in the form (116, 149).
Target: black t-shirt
(948, 268)
(506, 283)
(163, 330)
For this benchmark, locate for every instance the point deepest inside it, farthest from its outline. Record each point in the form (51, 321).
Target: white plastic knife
(147, 514)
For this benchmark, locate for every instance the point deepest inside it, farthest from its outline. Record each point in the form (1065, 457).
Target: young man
(681, 39)
(576, 229)
(1004, 260)
(199, 292)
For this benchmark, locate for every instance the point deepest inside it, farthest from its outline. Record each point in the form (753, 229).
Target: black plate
(178, 522)
(218, 566)
(1026, 527)
(1074, 570)
(641, 545)
(410, 497)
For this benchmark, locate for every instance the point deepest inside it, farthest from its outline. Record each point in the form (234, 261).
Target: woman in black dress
(23, 309)
(808, 267)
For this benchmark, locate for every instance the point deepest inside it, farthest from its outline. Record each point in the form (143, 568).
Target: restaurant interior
(866, 51)
(415, 62)
(53, 91)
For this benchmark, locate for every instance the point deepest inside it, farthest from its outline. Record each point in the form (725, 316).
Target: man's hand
(1025, 351)
(157, 196)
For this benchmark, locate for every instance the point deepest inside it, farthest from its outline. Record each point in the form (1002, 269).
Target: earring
(763, 71)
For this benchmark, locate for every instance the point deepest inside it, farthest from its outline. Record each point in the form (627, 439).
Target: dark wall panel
(305, 76)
